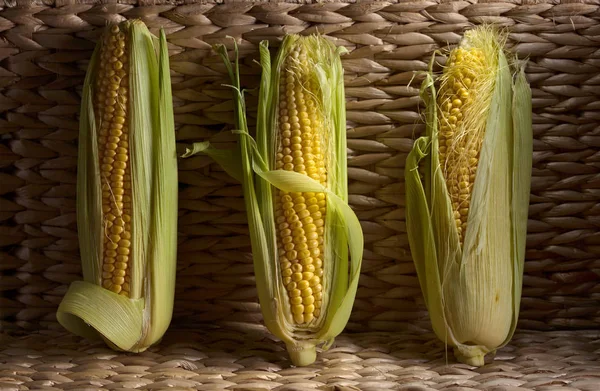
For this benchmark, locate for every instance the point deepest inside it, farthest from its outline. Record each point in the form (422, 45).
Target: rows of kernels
(113, 141)
(454, 98)
(300, 217)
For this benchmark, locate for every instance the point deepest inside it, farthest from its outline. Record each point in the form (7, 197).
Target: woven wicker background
(44, 48)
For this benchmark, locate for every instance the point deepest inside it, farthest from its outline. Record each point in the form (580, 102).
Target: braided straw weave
(250, 361)
(44, 49)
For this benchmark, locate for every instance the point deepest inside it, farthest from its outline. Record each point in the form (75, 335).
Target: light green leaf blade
(354, 237)
(521, 183)
(228, 160)
(265, 268)
(143, 81)
(88, 308)
(88, 181)
(479, 299)
(438, 260)
(163, 231)
(418, 219)
(260, 238)
(422, 242)
(290, 181)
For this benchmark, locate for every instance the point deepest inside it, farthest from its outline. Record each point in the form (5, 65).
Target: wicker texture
(44, 49)
(249, 360)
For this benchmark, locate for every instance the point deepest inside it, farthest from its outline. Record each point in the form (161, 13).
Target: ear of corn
(294, 177)
(467, 212)
(126, 193)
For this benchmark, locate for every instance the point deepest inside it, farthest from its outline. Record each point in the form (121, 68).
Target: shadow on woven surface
(251, 360)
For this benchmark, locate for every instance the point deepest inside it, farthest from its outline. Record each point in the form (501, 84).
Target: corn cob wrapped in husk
(467, 195)
(126, 193)
(294, 177)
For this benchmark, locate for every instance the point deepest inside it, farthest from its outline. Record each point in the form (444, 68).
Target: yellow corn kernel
(300, 149)
(111, 90)
(461, 140)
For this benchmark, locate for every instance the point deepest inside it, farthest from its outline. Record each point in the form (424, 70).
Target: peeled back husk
(472, 287)
(262, 181)
(129, 302)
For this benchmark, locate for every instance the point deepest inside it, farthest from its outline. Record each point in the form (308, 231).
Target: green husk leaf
(419, 216)
(88, 180)
(263, 245)
(346, 293)
(229, 160)
(143, 82)
(161, 268)
(521, 183)
(480, 310)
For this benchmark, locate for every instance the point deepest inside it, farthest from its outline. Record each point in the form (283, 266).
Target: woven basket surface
(247, 359)
(44, 50)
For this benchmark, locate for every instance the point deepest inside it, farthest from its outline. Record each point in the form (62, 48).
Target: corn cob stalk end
(302, 355)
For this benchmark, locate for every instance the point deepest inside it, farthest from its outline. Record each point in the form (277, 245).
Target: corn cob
(461, 130)
(301, 147)
(127, 193)
(111, 109)
(295, 187)
(467, 214)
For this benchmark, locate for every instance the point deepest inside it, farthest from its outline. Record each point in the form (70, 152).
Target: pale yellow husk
(471, 279)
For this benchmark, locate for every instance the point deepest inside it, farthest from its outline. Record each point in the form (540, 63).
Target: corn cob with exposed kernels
(127, 193)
